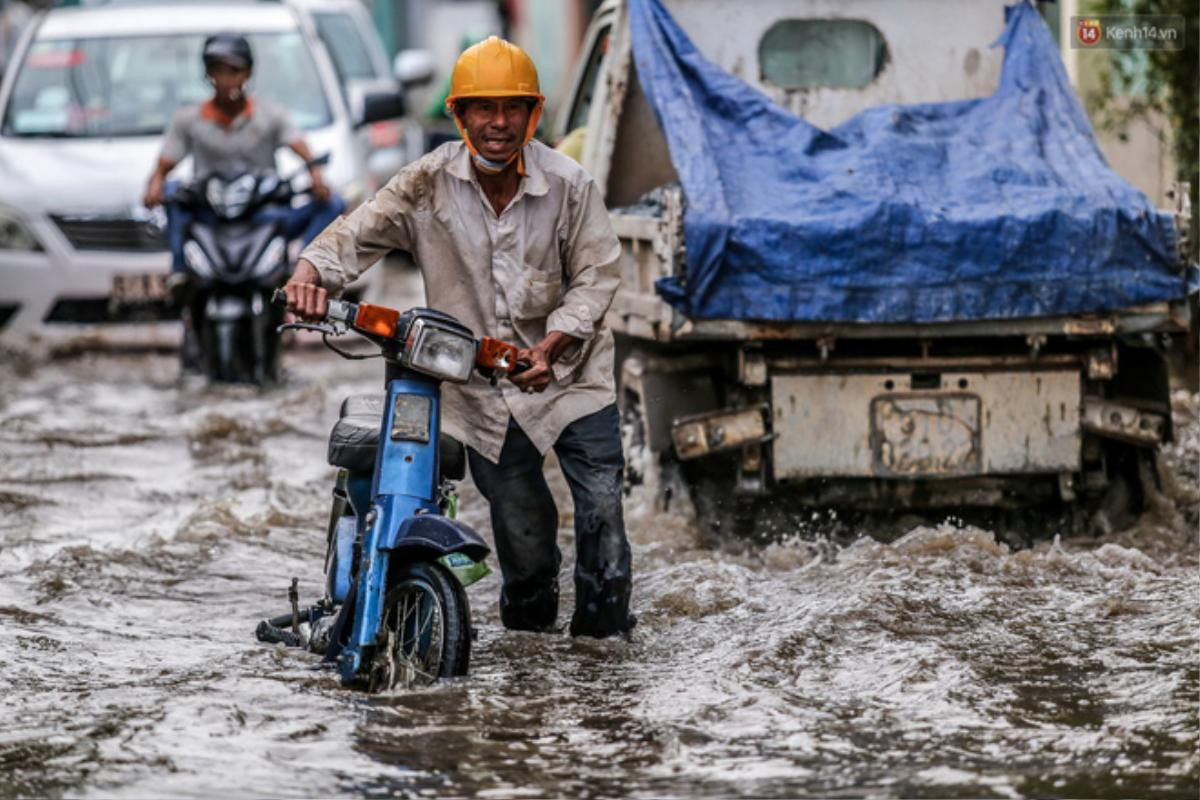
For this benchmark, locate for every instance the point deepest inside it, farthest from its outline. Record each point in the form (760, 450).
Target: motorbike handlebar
(492, 356)
(193, 192)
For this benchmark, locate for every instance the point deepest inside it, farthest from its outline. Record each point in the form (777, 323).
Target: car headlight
(440, 352)
(15, 233)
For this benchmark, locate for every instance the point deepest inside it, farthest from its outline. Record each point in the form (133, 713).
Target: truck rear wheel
(722, 514)
(1132, 476)
(658, 472)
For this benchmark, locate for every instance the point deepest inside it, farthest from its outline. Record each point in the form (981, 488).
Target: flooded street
(148, 523)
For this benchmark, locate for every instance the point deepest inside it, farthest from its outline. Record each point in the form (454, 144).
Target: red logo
(1088, 32)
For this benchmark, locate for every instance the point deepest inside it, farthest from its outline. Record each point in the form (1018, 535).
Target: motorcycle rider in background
(233, 133)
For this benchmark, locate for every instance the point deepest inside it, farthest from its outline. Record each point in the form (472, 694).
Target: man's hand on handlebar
(539, 357)
(154, 188)
(320, 189)
(154, 192)
(306, 299)
(537, 377)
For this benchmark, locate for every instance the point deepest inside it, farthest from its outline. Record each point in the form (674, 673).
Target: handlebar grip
(279, 298)
(520, 367)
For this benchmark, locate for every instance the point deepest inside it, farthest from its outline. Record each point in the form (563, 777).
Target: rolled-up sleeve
(353, 243)
(591, 264)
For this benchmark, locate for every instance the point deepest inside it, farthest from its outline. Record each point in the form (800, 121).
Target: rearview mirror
(413, 67)
(377, 106)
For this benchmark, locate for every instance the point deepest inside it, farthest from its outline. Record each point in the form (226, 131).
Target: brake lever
(323, 329)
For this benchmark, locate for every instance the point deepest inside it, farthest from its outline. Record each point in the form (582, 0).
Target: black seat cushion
(353, 441)
(355, 437)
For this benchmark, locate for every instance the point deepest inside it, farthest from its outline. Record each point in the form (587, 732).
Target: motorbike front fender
(442, 535)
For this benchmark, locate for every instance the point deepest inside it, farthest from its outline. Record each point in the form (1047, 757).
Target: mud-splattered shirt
(548, 262)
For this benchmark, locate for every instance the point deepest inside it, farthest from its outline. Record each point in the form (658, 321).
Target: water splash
(149, 522)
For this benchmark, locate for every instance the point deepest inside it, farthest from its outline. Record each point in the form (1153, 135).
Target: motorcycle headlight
(15, 234)
(214, 193)
(196, 260)
(229, 200)
(440, 352)
(270, 258)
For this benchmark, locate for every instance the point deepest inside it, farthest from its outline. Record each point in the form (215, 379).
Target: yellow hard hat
(493, 68)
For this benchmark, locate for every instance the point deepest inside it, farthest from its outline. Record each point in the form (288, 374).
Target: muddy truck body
(1055, 411)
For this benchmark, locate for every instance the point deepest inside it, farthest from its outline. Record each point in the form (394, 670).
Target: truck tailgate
(950, 424)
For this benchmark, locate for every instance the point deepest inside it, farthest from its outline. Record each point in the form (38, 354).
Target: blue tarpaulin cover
(996, 207)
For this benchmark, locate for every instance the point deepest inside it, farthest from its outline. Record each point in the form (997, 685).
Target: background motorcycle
(236, 255)
(397, 562)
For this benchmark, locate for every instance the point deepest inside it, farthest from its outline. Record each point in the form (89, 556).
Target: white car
(361, 63)
(82, 111)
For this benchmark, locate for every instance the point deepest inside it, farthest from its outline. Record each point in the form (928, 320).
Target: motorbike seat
(355, 439)
(358, 405)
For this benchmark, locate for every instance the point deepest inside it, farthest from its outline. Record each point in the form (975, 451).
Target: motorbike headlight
(196, 260)
(440, 352)
(214, 193)
(271, 257)
(15, 233)
(229, 200)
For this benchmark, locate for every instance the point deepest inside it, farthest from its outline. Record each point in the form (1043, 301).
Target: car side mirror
(413, 67)
(377, 106)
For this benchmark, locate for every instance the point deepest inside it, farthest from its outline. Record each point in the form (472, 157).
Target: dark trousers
(525, 526)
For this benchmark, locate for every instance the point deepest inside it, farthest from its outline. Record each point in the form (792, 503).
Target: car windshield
(131, 86)
(346, 45)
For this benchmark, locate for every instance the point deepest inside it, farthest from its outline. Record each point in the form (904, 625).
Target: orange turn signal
(378, 320)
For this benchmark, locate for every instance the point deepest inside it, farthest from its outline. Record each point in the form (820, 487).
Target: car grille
(114, 234)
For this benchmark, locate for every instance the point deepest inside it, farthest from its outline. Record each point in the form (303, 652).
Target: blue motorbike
(394, 611)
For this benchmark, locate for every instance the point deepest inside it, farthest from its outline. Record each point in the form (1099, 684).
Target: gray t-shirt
(249, 143)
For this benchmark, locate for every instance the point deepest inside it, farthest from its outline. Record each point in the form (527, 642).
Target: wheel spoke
(414, 645)
(414, 636)
(408, 610)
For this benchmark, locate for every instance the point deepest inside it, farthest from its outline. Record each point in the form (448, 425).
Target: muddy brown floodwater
(147, 523)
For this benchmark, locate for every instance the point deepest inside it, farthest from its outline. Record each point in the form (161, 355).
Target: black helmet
(228, 48)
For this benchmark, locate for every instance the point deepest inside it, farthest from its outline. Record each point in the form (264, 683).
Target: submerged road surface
(146, 524)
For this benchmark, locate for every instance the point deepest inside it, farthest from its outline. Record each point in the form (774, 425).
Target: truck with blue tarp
(874, 258)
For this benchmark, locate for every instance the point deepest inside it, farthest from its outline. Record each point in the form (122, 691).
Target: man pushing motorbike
(513, 239)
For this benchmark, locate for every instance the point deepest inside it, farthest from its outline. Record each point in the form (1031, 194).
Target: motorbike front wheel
(425, 633)
(222, 352)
